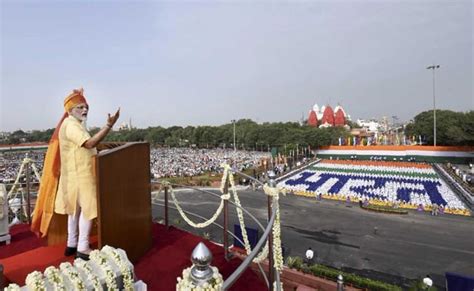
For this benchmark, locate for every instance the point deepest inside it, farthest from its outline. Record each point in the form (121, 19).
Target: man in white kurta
(76, 195)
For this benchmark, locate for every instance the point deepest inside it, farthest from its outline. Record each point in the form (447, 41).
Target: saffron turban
(73, 99)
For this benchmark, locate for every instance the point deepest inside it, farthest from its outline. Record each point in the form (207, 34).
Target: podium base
(6, 238)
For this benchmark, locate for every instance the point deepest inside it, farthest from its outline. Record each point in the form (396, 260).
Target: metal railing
(24, 188)
(267, 231)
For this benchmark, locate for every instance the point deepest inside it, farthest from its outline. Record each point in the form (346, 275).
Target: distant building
(125, 125)
(369, 125)
(327, 117)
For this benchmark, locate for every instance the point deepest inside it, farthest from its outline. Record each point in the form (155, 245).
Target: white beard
(84, 123)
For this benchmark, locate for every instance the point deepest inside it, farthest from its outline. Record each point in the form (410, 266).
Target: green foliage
(331, 274)
(452, 128)
(248, 135)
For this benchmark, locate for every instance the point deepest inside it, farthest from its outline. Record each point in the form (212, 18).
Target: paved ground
(402, 247)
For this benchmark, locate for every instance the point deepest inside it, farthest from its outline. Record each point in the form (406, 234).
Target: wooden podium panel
(123, 198)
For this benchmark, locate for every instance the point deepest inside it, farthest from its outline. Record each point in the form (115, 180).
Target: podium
(123, 200)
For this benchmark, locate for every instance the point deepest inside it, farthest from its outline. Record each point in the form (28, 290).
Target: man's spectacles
(82, 107)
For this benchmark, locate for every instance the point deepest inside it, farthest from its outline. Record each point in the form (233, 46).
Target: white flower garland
(186, 284)
(277, 251)
(35, 281)
(54, 277)
(228, 174)
(12, 287)
(71, 273)
(202, 224)
(125, 270)
(98, 258)
(87, 269)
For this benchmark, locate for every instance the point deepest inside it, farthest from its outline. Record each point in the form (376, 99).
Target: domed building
(339, 116)
(312, 119)
(326, 116)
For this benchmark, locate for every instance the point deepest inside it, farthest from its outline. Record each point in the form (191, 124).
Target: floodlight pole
(434, 67)
(233, 121)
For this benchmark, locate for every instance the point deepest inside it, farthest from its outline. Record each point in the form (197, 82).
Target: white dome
(316, 108)
(340, 107)
(320, 113)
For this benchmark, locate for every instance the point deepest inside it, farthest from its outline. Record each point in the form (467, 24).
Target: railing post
(271, 269)
(226, 221)
(340, 283)
(28, 205)
(166, 207)
(201, 271)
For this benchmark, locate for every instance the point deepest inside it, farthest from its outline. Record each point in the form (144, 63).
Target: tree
(452, 128)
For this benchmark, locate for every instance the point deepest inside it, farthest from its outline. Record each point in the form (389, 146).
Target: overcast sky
(207, 62)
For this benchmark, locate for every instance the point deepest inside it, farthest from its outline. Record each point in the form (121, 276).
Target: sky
(168, 63)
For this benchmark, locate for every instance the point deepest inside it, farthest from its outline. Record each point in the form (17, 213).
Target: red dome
(339, 118)
(312, 119)
(328, 116)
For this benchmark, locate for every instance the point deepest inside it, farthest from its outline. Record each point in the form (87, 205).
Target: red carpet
(22, 240)
(159, 268)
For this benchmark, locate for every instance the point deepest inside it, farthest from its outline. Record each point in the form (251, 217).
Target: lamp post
(434, 67)
(233, 121)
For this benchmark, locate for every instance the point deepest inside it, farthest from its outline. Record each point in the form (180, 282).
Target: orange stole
(44, 208)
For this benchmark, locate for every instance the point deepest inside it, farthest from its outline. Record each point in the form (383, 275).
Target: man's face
(80, 111)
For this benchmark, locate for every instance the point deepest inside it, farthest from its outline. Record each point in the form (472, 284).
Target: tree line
(453, 128)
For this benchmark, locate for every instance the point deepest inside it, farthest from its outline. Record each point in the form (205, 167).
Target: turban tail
(44, 208)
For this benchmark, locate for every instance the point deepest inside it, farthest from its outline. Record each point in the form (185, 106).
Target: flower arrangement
(35, 281)
(87, 270)
(125, 269)
(54, 277)
(12, 287)
(186, 284)
(72, 275)
(101, 260)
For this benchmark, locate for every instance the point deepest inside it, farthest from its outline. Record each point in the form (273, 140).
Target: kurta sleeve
(76, 134)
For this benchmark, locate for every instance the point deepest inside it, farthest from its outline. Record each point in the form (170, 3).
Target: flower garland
(12, 287)
(202, 224)
(277, 251)
(228, 174)
(35, 281)
(101, 260)
(54, 277)
(71, 273)
(85, 267)
(156, 194)
(125, 270)
(186, 284)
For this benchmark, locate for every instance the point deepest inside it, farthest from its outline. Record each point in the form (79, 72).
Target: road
(389, 247)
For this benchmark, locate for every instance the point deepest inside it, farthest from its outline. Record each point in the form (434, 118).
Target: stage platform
(158, 268)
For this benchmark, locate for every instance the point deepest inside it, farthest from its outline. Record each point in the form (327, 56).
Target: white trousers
(75, 238)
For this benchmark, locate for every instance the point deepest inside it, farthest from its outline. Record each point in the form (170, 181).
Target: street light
(434, 67)
(233, 121)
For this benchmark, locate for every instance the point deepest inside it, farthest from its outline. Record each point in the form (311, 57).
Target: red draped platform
(158, 268)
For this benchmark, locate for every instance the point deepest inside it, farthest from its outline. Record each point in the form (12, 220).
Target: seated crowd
(164, 162)
(181, 162)
(401, 185)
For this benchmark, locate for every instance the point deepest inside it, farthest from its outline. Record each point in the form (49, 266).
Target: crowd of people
(164, 162)
(10, 163)
(182, 162)
(402, 185)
